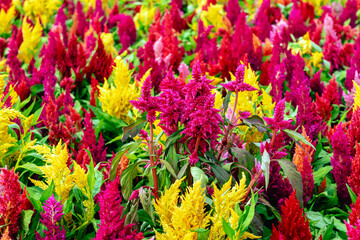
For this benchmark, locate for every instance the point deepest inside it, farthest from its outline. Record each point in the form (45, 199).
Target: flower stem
(234, 110)
(153, 167)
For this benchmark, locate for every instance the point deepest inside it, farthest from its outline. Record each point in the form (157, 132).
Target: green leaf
(227, 229)
(91, 172)
(182, 171)
(321, 173)
(298, 137)
(47, 192)
(221, 174)
(202, 234)
(352, 194)
(133, 129)
(199, 175)
(25, 221)
(257, 121)
(31, 167)
(293, 175)
(169, 168)
(265, 166)
(127, 178)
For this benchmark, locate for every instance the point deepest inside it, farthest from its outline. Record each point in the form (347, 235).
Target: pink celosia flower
(277, 122)
(112, 224)
(239, 85)
(51, 216)
(147, 103)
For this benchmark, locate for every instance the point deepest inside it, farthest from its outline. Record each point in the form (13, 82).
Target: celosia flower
(277, 122)
(10, 202)
(50, 217)
(293, 223)
(108, 40)
(112, 224)
(55, 169)
(341, 162)
(31, 36)
(6, 17)
(44, 9)
(147, 103)
(354, 178)
(238, 85)
(214, 15)
(115, 99)
(353, 227)
(233, 11)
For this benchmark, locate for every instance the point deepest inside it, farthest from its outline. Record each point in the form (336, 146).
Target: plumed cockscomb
(277, 122)
(233, 11)
(294, 224)
(112, 225)
(50, 217)
(353, 227)
(147, 103)
(341, 163)
(10, 202)
(239, 85)
(353, 133)
(354, 178)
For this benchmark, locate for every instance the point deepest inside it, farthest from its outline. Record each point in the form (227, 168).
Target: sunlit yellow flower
(108, 40)
(31, 37)
(45, 9)
(316, 59)
(115, 99)
(145, 16)
(56, 170)
(356, 96)
(214, 15)
(305, 44)
(218, 99)
(6, 17)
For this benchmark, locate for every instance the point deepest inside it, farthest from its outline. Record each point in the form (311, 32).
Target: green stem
(153, 167)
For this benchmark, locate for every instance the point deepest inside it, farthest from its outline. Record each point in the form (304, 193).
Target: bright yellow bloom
(225, 200)
(177, 221)
(145, 16)
(305, 44)
(6, 17)
(115, 99)
(45, 9)
(318, 4)
(31, 37)
(267, 104)
(214, 15)
(316, 59)
(56, 170)
(356, 96)
(218, 99)
(108, 40)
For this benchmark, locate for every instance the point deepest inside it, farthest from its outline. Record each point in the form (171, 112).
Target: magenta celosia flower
(147, 103)
(126, 31)
(82, 24)
(50, 217)
(112, 224)
(353, 227)
(10, 202)
(239, 85)
(205, 46)
(262, 21)
(233, 11)
(341, 162)
(277, 122)
(172, 103)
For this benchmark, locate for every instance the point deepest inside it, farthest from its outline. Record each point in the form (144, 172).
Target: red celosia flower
(233, 11)
(354, 178)
(293, 225)
(353, 227)
(10, 202)
(112, 225)
(147, 103)
(353, 133)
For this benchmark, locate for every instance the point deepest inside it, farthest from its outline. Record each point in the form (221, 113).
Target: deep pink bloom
(51, 216)
(233, 11)
(277, 122)
(341, 162)
(112, 224)
(147, 103)
(239, 85)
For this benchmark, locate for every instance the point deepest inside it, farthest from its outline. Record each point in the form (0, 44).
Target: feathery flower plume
(294, 224)
(31, 36)
(354, 178)
(112, 225)
(341, 162)
(50, 217)
(353, 227)
(238, 85)
(277, 122)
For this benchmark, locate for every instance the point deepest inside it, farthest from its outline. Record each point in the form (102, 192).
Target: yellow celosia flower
(318, 4)
(31, 37)
(218, 99)
(356, 96)
(267, 104)
(145, 16)
(224, 200)
(108, 40)
(6, 17)
(88, 3)
(316, 59)
(177, 221)
(2, 65)
(45, 9)
(214, 15)
(55, 170)
(305, 44)
(115, 99)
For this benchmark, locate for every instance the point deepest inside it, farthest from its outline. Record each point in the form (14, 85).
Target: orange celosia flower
(300, 155)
